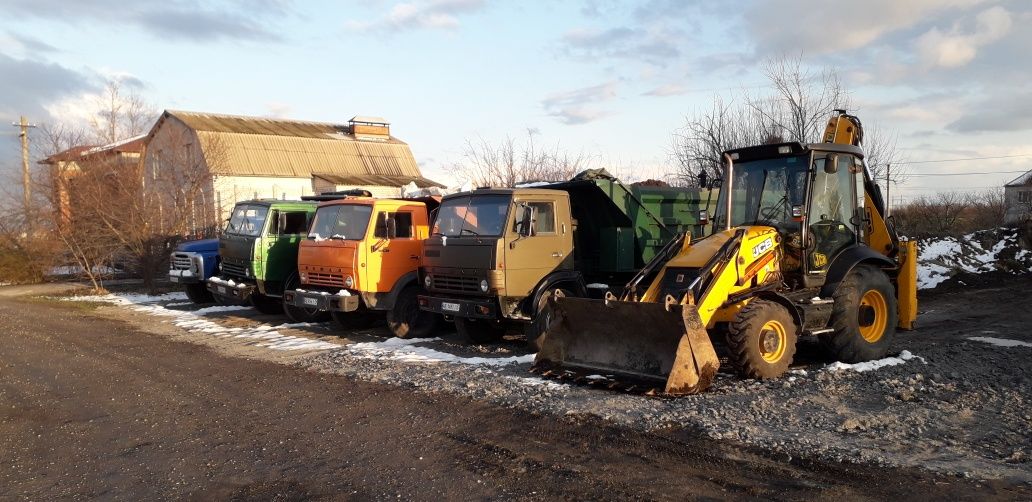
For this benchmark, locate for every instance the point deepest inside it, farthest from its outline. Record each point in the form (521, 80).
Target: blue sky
(611, 79)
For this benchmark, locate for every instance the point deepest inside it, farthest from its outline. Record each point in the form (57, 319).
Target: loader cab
(811, 194)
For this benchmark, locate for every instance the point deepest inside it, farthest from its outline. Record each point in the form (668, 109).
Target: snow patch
(903, 357)
(597, 285)
(1000, 342)
(399, 349)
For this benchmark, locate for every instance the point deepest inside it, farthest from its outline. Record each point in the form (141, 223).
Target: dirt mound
(994, 251)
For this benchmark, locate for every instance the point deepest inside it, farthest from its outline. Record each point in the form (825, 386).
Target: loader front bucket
(666, 345)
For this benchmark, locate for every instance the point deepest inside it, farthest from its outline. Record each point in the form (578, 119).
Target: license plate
(311, 301)
(173, 279)
(450, 307)
(222, 289)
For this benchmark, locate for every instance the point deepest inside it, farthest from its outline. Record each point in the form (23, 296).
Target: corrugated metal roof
(373, 179)
(258, 146)
(1024, 179)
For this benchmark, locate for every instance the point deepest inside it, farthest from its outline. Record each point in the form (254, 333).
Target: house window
(1025, 196)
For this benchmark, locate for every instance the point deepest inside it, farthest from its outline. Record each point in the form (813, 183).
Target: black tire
(301, 314)
(198, 293)
(266, 304)
(856, 316)
(542, 318)
(359, 319)
(762, 340)
(480, 331)
(406, 319)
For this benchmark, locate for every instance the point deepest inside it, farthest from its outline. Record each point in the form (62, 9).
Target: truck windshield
(764, 193)
(472, 215)
(343, 221)
(247, 220)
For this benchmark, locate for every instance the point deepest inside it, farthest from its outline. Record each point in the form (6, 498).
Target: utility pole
(888, 184)
(26, 190)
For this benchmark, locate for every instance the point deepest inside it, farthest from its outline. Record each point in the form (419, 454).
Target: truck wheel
(198, 293)
(863, 316)
(406, 319)
(301, 314)
(762, 340)
(542, 318)
(479, 331)
(266, 304)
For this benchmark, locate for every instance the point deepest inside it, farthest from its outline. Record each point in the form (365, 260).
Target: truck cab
(191, 264)
(258, 251)
(361, 257)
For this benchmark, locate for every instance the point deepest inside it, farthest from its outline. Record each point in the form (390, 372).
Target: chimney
(370, 128)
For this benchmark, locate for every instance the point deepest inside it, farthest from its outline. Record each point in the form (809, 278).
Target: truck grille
(456, 283)
(234, 269)
(321, 279)
(181, 261)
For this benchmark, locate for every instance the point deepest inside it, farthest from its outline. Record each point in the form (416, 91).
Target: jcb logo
(819, 260)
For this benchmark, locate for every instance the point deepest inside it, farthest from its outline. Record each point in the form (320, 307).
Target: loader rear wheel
(480, 331)
(406, 319)
(762, 340)
(198, 293)
(864, 316)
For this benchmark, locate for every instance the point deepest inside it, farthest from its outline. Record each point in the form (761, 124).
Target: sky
(611, 80)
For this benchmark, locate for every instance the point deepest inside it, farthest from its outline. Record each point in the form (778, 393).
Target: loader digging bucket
(666, 345)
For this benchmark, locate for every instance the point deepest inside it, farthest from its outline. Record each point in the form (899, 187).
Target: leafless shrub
(511, 161)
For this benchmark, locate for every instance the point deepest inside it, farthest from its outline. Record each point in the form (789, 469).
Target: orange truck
(360, 262)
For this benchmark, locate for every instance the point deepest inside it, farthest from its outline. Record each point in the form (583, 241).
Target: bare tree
(120, 115)
(797, 109)
(510, 162)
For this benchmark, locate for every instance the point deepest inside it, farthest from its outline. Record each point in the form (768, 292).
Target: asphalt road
(91, 408)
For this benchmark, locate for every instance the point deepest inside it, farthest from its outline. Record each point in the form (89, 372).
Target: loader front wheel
(762, 340)
(864, 316)
(479, 331)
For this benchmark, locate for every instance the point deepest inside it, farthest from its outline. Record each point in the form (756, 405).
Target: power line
(967, 158)
(968, 174)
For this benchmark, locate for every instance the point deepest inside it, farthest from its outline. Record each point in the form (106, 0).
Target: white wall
(231, 189)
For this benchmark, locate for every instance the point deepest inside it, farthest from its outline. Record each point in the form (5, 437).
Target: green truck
(258, 252)
(496, 254)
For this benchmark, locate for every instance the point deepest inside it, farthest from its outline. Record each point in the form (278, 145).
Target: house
(66, 165)
(1018, 198)
(216, 160)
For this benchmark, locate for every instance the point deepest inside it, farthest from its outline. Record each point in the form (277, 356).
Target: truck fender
(573, 280)
(849, 259)
(387, 302)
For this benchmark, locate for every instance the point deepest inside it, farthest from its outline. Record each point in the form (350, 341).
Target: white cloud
(959, 47)
(814, 27)
(425, 14)
(575, 107)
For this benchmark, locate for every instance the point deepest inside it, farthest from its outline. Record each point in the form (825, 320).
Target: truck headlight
(483, 285)
(348, 282)
(428, 281)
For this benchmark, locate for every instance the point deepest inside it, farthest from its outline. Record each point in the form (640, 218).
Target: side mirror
(527, 221)
(831, 163)
(281, 222)
(392, 227)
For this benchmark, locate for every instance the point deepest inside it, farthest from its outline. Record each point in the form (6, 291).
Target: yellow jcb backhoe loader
(799, 247)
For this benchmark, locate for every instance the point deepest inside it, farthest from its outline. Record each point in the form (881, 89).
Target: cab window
(296, 222)
(544, 218)
(402, 223)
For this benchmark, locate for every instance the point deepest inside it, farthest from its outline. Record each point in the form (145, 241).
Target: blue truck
(192, 264)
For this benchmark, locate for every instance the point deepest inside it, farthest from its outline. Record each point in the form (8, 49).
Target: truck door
(394, 249)
(286, 229)
(529, 259)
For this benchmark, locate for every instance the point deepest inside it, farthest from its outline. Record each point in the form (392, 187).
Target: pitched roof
(82, 152)
(378, 180)
(1024, 179)
(260, 146)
